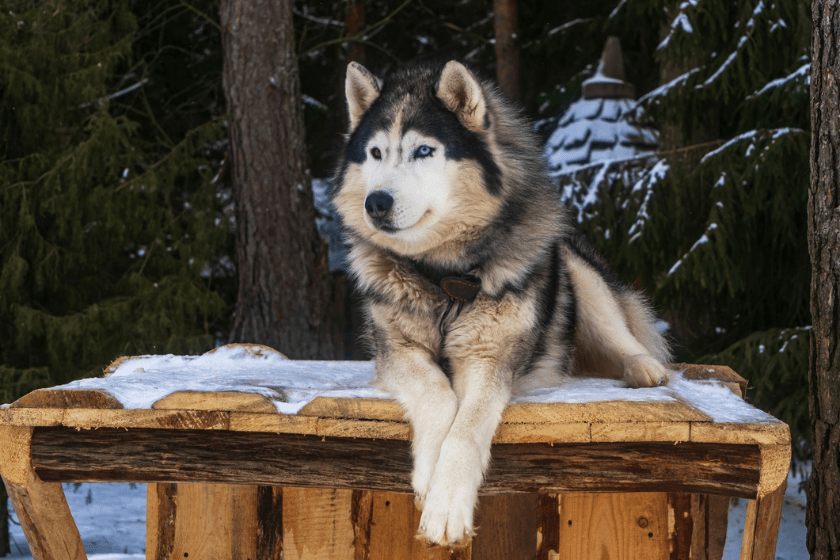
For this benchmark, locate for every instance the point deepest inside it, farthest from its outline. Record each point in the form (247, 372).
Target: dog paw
(643, 370)
(421, 480)
(446, 521)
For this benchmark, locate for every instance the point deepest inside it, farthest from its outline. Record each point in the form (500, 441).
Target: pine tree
(104, 232)
(713, 228)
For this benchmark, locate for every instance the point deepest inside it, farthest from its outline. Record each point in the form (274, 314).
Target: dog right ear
(361, 89)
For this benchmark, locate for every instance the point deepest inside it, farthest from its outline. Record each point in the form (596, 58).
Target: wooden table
(230, 477)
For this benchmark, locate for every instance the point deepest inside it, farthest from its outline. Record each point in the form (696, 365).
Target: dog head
(419, 170)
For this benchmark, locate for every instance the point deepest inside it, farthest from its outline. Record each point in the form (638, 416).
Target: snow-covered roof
(602, 125)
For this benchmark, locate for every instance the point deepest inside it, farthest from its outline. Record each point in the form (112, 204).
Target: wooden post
(41, 507)
(761, 528)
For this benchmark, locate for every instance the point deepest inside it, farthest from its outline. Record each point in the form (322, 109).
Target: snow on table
(139, 382)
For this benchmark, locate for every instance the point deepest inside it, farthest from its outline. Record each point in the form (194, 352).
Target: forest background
(117, 208)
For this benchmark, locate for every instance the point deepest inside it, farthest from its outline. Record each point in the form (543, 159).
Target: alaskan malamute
(476, 286)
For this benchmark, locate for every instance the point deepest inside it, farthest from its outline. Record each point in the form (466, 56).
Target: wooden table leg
(40, 506)
(761, 528)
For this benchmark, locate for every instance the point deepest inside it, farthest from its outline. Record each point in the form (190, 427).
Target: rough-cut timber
(290, 460)
(284, 284)
(823, 513)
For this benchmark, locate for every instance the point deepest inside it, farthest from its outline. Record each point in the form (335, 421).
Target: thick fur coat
(442, 178)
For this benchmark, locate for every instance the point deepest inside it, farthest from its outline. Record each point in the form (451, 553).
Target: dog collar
(462, 287)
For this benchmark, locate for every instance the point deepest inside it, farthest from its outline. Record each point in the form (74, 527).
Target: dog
(475, 285)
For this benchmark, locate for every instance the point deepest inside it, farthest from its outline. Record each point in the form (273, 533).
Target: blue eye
(423, 151)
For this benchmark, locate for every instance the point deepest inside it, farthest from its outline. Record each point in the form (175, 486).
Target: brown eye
(376, 153)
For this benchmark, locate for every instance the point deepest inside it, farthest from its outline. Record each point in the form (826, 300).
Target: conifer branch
(207, 18)
(358, 37)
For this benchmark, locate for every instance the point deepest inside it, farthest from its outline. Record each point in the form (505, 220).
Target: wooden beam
(41, 506)
(143, 455)
(761, 528)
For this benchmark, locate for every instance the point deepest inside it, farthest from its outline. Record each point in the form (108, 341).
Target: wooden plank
(626, 526)
(641, 431)
(710, 515)
(273, 423)
(548, 527)
(68, 398)
(256, 350)
(393, 529)
(163, 419)
(215, 521)
(506, 527)
(362, 408)
(706, 372)
(761, 528)
(601, 412)
(364, 429)
(41, 507)
(542, 433)
(772, 433)
(220, 400)
(317, 524)
(161, 513)
(31, 416)
(679, 509)
(106, 454)
(269, 523)
(361, 516)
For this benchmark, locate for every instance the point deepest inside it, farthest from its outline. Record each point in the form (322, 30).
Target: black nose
(378, 203)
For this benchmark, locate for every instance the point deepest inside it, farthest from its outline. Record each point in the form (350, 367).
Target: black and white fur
(441, 176)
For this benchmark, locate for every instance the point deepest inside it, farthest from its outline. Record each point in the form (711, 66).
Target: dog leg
(430, 404)
(448, 516)
(603, 340)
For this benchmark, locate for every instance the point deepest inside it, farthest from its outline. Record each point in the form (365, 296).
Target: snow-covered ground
(112, 517)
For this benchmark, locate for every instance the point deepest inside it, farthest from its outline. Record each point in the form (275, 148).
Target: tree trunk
(284, 298)
(354, 23)
(823, 513)
(507, 52)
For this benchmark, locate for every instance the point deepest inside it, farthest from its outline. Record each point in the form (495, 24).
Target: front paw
(421, 478)
(643, 370)
(447, 519)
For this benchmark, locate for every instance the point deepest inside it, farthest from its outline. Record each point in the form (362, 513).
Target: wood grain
(68, 398)
(215, 521)
(41, 506)
(219, 400)
(619, 526)
(507, 527)
(679, 509)
(548, 527)
(317, 524)
(64, 454)
(761, 528)
(393, 529)
(601, 412)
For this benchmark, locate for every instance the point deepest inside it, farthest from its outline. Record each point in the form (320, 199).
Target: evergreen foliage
(716, 231)
(107, 213)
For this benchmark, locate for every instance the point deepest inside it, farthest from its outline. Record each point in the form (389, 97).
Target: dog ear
(361, 89)
(462, 94)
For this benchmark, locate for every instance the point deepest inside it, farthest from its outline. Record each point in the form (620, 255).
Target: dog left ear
(462, 94)
(361, 89)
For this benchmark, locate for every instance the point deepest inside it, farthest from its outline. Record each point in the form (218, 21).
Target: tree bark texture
(284, 298)
(823, 513)
(354, 23)
(507, 50)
